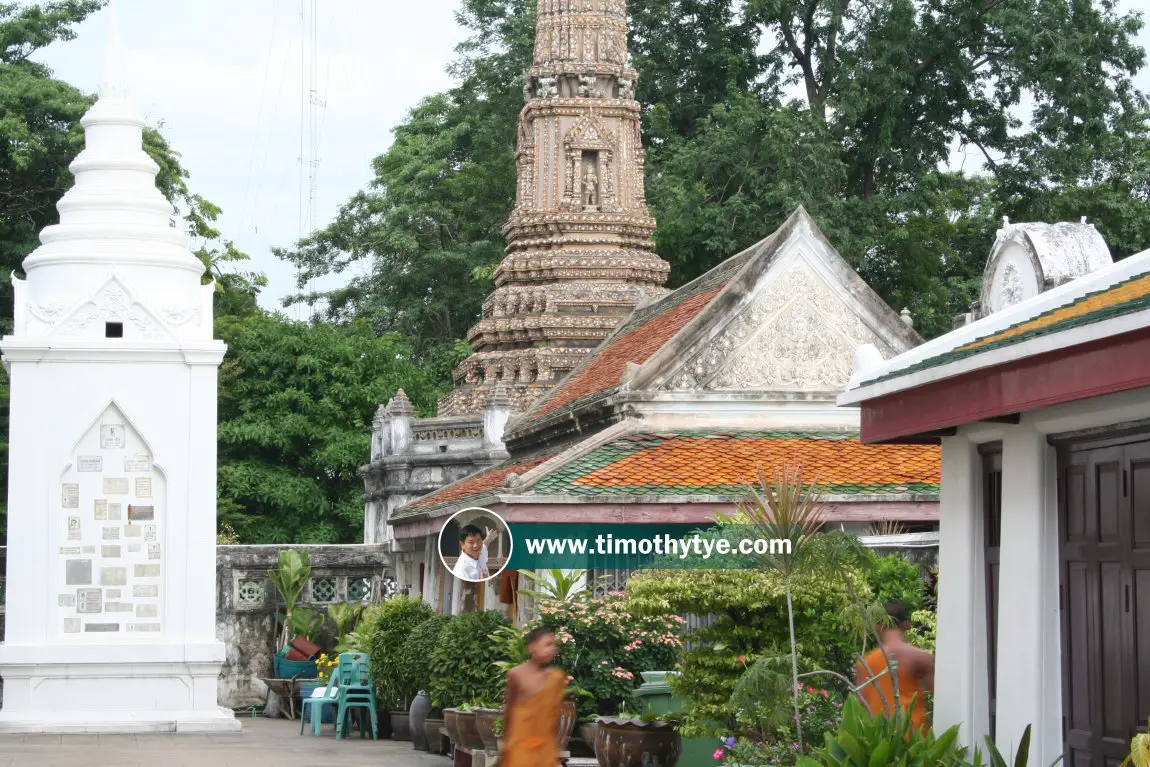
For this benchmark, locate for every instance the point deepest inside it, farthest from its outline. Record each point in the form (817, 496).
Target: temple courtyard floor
(272, 742)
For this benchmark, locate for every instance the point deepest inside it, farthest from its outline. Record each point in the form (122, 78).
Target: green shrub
(463, 662)
(388, 626)
(604, 646)
(415, 655)
(895, 578)
(924, 624)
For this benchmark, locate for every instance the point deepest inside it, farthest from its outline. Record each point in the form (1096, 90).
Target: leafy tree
(295, 411)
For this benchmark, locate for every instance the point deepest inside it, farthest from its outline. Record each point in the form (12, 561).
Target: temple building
(669, 419)
(1042, 409)
(580, 257)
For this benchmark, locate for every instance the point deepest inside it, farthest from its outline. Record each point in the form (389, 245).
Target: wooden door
(992, 538)
(1104, 521)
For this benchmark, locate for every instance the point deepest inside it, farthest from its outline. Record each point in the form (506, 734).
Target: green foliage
(512, 646)
(415, 654)
(749, 621)
(305, 622)
(604, 645)
(895, 578)
(389, 625)
(923, 630)
(295, 409)
(555, 584)
(767, 730)
(462, 660)
(290, 579)
(863, 740)
(344, 616)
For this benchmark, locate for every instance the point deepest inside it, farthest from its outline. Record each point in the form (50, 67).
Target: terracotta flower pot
(485, 722)
(635, 743)
(469, 732)
(568, 715)
(451, 722)
(400, 725)
(434, 736)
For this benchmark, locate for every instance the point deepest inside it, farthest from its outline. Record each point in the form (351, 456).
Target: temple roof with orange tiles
(695, 393)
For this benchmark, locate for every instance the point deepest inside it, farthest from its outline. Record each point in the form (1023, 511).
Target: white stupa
(111, 608)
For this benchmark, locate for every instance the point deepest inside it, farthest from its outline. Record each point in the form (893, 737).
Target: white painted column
(1026, 595)
(960, 666)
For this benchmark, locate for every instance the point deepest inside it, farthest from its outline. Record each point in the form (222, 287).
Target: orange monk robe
(532, 726)
(879, 691)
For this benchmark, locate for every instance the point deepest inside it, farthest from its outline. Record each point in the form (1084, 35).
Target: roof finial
(113, 81)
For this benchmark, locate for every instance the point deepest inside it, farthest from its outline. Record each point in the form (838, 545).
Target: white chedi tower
(111, 610)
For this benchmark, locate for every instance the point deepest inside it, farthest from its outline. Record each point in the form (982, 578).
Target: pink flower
(718, 754)
(824, 692)
(742, 659)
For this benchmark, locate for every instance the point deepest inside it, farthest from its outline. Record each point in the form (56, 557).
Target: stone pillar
(400, 413)
(1028, 598)
(495, 416)
(960, 659)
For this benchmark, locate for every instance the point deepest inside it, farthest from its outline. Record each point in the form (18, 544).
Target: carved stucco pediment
(112, 302)
(589, 133)
(795, 334)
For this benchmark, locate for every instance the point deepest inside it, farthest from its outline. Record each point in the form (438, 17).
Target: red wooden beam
(1107, 366)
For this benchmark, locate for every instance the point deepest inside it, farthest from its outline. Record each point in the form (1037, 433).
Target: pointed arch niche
(108, 536)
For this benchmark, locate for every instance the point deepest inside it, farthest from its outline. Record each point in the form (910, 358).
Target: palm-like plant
(290, 579)
(344, 616)
(782, 508)
(555, 584)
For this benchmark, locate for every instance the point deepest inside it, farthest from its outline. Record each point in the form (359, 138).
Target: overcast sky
(224, 80)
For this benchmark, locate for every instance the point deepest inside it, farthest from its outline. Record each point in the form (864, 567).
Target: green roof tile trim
(1130, 306)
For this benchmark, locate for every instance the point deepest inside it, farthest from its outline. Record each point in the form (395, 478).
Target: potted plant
(628, 741)
(461, 664)
(469, 736)
(485, 720)
(431, 730)
(451, 722)
(415, 674)
(391, 624)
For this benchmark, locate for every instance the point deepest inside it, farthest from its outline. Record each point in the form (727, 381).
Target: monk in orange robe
(915, 672)
(535, 692)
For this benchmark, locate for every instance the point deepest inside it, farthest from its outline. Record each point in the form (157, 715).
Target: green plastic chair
(356, 691)
(315, 704)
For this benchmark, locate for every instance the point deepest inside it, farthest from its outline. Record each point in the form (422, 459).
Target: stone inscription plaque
(145, 592)
(143, 627)
(136, 463)
(141, 513)
(114, 512)
(135, 547)
(70, 495)
(119, 607)
(115, 485)
(114, 576)
(89, 600)
(101, 628)
(73, 528)
(112, 436)
(101, 509)
(147, 571)
(69, 550)
(112, 593)
(90, 463)
(133, 531)
(78, 572)
(111, 533)
(66, 600)
(71, 625)
(143, 488)
(147, 611)
(110, 552)
(153, 551)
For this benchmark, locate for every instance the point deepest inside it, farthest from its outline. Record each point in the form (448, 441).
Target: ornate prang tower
(580, 255)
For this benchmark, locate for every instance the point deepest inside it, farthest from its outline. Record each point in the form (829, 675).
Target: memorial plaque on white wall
(145, 592)
(66, 600)
(89, 600)
(149, 532)
(73, 528)
(112, 436)
(110, 552)
(147, 571)
(78, 572)
(101, 509)
(153, 551)
(66, 550)
(111, 533)
(141, 513)
(101, 628)
(90, 463)
(112, 593)
(136, 463)
(115, 485)
(143, 627)
(133, 531)
(134, 548)
(70, 495)
(147, 611)
(119, 607)
(143, 487)
(89, 550)
(114, 576)
(71, 625)
(114, 512)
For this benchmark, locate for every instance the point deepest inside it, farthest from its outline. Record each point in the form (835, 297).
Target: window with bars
(251, 592)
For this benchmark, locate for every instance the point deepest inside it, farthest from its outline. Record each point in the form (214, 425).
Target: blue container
(289, 669)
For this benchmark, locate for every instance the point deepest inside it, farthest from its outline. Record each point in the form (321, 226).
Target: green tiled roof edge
(1126, 307)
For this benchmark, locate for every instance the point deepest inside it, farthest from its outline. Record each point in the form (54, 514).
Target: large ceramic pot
(635, 743)
(485, 719)
(400, 725)
(568, 715)
(431, 726)
(469, 732)
(417, 714)
(451, 722)
(587, 733)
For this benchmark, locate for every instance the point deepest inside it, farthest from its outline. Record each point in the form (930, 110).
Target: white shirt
(470, 569)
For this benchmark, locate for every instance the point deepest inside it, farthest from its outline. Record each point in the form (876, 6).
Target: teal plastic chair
(356, 692)
(314, 705)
